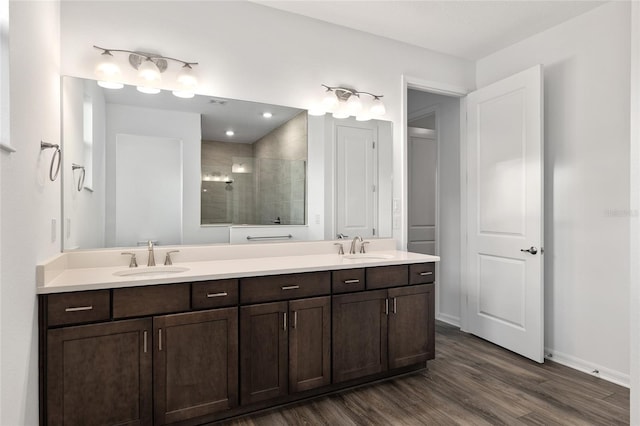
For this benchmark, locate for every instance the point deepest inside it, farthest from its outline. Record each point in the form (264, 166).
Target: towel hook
(74, 167)
(55, 159)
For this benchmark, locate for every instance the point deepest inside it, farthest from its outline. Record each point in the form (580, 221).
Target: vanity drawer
(152, 300)
(347, 280)
(78, 307)
(387, 276)
(214, 294)
(282, 287)
(422, 273)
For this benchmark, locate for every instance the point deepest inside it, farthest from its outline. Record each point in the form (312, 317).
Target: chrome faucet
(152, 259)
(352, 250)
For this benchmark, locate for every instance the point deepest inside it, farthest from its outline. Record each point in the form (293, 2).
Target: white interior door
(355, 185)
(422, 201)
(505, 213)
(149, 192)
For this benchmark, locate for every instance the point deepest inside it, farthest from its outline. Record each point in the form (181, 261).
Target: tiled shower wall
(274, 188)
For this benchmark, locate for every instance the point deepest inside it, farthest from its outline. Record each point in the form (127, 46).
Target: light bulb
(354, 104)
(148, 90)
(330, 100)
(108, 72)
(230, 133)
(149, 72)
(267, 114)
(341, 111)
(187, 83)
(377, 108)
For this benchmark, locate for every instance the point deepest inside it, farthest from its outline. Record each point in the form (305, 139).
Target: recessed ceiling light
(230, 133)
(267, 114)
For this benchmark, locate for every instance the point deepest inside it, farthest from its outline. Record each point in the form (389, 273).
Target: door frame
(409, 82)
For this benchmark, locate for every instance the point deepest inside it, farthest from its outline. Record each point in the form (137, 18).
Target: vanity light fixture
(343, 102)
(150, 67)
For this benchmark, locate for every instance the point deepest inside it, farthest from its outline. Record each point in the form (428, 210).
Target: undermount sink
(368, 256)
(151, 270)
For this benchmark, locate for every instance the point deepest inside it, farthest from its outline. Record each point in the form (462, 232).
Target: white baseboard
(604, 373)
(449, 319)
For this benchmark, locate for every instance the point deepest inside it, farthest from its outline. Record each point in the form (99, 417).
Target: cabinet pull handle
(290, 287)
(144, 339)
(386, 306)
(422, 274)
(159, 339)
(284, 322)
(394, 305)
(221, 294)
(79, 308)
(351, 281)
(295, 319)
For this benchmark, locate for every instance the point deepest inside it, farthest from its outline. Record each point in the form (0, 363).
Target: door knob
(531, 250)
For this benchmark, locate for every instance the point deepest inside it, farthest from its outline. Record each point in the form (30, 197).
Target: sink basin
(368, 256)
(150, 271)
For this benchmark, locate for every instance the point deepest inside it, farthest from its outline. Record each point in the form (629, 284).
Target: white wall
(635, 214)
(448, 130)
(83, 211)
(185, 126)
(28, 201)
(233, 41)
(586, 78)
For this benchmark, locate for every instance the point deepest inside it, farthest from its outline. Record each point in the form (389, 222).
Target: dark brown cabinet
(411, 327)
(382, 329)
(195, 364)
(199, 352)
(100, 374)
(359, 335)
(285, 348)
(309, 343)
(264, 351)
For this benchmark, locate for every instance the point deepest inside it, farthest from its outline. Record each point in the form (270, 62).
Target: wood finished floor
(471, 382)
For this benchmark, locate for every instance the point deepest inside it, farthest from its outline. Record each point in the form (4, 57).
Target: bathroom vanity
(212, 339)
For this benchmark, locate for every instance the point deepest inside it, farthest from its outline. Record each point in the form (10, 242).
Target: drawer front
(283, 287)
(387, 276)
(422, 273)
(153, 300)
(214, 294)
(79, 307)
(347, 280)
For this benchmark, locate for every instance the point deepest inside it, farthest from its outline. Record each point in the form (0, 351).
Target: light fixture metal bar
(151, 56)
(343, 93)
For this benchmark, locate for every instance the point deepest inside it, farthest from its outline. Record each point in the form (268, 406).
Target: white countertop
(66, 273)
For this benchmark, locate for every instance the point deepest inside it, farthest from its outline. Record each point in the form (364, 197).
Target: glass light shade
(316, 110)
(342, 111)
(363, 116)
(187, 83)
(148, 90)
(149, 72)
(330, 101)
(108, 72)
(354, 105)
(377, 108)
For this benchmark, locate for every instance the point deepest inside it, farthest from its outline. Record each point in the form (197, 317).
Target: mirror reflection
(211, 170)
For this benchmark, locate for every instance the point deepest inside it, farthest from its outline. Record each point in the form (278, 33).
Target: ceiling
(217, 114)
(466, 29)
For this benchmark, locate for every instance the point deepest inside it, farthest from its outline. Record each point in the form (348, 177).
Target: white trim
(7, 147)
(449, 319)
(590, 368)
(634, 225)
(464, 300)
(408, 82)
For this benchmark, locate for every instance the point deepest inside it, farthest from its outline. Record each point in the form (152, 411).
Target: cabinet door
(263, 351)
(411, 325)
(100, 374)
(195, 364)
(359, 334)
(309, 343)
